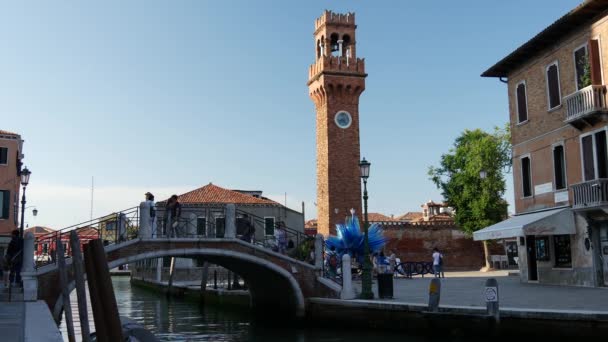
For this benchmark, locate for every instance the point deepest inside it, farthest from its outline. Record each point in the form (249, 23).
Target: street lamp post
(25, 179)
(366, 288)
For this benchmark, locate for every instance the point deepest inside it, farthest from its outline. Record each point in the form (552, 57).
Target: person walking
(14, 255)
(392, 261)
(173, 211)
(149, 203)
(437, 262)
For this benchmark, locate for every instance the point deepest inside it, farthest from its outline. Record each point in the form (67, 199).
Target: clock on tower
(335, 82)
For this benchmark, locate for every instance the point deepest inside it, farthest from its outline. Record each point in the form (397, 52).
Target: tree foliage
(478, 203)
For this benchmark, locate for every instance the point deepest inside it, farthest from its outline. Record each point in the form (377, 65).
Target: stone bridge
(277, 283)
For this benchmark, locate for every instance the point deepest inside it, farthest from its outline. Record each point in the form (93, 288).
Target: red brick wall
(416, 243)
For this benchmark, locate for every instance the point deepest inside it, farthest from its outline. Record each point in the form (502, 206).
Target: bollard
(434, 294)
(491, 296)
(215, 279)
(347, 281)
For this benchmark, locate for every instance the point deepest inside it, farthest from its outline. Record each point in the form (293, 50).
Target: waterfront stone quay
(28, 322)
(466, 289)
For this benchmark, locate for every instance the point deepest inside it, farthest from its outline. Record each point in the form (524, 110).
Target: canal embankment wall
(210, 296)
(455, 320)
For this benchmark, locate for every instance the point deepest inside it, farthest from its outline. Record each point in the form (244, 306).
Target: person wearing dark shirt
(173, 210)
(14, 256)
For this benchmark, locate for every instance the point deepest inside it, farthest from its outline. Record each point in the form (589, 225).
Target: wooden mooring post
(491, 296)
(78, 267)
(105, 311)
(65, 291)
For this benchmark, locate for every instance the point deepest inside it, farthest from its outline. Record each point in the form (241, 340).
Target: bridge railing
(299, 245)
(115, 227)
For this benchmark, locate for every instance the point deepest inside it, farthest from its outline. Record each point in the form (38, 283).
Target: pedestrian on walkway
(392, 261)
(437, 262)
(149, 203)
(248, 231)
(332, 263)
(14, 255)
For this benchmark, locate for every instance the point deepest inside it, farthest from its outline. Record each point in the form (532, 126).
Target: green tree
(477, 202)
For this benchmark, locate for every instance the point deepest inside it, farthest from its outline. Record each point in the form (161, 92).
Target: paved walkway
(12, 321)
(465, 289)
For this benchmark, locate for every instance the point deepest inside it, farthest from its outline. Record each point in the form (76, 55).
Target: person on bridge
(281, 237)
(248, 231)
(14, 255)
(173, 211)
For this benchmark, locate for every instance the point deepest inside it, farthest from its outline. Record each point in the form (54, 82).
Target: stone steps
(16, 294)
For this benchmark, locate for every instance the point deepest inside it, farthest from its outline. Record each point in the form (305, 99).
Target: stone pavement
(12, 321)
(465, 289)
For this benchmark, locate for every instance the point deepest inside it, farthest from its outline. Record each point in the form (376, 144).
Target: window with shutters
(582, 67)
(559, 167)
(5, 204)
(553, 91)
(595, 155)
(201, 226)
(3, 155)
(269, 225)
(526, 176)
(522, 102)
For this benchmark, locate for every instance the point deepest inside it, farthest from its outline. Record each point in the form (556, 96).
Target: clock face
(343, 119)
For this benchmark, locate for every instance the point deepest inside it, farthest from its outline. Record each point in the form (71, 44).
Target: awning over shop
(548, 222)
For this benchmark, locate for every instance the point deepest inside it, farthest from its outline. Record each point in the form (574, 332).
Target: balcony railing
(585, 102)
(590, 194)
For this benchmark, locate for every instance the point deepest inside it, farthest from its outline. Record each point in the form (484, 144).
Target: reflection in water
(178, 320)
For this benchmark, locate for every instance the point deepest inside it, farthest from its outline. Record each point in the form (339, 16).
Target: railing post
(28, 274)
(230, 227)
(347, 280)
(319, 252)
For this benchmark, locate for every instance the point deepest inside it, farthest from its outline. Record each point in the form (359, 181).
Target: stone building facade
(11, 155)
(335, 82)
(558, 113)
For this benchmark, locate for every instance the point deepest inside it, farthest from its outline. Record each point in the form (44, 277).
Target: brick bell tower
(335, 82)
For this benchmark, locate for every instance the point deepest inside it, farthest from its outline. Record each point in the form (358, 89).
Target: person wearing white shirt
(437, 262)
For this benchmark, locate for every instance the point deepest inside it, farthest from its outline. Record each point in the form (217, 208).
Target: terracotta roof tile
(410, 216)
(39, 230)
(8, 133)
(377, 217)
(214, 194)
(311, 224)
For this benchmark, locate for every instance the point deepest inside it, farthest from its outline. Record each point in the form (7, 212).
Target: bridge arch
(273, 289)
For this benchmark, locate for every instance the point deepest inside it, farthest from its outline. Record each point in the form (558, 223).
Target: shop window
(563, 252)
(542, 249)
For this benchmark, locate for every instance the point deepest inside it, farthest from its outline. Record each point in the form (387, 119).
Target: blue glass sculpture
(351, 240)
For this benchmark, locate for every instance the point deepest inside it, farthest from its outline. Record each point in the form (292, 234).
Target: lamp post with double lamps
(25, 179)
(366, 286)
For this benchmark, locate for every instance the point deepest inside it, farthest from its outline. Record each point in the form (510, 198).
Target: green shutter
(6, 201)
(269, 225)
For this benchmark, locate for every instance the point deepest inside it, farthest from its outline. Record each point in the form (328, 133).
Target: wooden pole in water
(171, 271)
(96, 300)
(106, 292)
(491, 297)
(80, 290)
(65, 292)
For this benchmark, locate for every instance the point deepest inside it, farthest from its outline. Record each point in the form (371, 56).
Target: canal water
(179, 320)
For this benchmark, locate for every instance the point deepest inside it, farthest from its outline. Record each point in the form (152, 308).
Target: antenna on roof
(92, 191)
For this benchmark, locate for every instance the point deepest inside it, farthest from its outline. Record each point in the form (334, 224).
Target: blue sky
(169, 96)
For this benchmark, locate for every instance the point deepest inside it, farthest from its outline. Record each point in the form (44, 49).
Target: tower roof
(329, 17)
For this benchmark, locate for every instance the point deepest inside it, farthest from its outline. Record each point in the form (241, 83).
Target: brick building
(11, 155)
(558, 113)
(335, 82)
